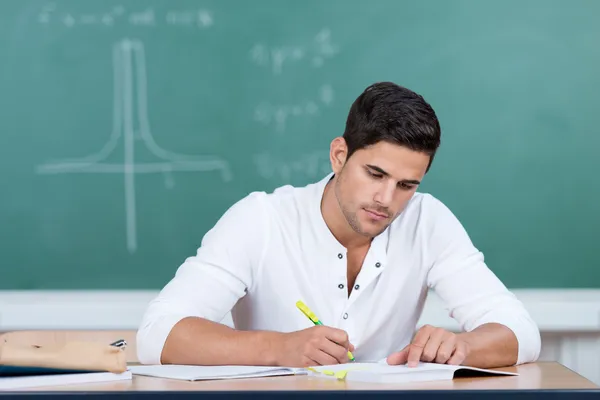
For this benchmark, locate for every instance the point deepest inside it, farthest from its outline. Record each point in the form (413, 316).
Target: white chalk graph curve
(129, 80)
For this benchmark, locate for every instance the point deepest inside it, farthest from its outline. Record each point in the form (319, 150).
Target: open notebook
(383, 373)
(16, 377)
(367, 372)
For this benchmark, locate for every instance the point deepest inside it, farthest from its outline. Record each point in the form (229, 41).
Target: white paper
(194, 372)
(19, 382)
(380, 372)
(381, 368)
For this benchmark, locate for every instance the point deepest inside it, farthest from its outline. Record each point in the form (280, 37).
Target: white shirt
(270, 250)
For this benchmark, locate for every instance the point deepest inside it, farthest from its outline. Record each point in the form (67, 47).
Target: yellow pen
(311, 315)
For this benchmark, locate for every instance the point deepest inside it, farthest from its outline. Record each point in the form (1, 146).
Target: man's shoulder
(282, 198)
(425, 210)
(425, 202)
(292, 202)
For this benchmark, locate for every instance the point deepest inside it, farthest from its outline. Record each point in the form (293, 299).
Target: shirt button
(341, 286)
(340, 256)
(356, 287)
(345, 316)
(377, 264)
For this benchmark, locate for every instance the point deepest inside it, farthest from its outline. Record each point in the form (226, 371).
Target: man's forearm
(491, 345)
(197, 341)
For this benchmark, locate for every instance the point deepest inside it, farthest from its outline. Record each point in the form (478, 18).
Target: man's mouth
(376, 215)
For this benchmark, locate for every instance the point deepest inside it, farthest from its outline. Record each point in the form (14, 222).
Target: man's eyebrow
(409, 181)
(382, 172)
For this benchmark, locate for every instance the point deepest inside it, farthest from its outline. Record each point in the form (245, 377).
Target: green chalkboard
(129, 127)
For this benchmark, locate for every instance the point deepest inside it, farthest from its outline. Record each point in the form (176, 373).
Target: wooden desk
(542, 375)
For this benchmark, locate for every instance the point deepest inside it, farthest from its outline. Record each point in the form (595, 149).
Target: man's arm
(487, 346)
(181, 325)
(476, 297)
(182, 322)
(198, 341)
(498, 331)
(491, 345)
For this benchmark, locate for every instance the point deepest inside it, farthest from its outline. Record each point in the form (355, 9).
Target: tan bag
(92, 356)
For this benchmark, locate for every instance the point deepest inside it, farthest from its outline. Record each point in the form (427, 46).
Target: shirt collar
(379, 245)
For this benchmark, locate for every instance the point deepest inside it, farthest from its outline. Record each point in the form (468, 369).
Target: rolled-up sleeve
(208, 284)
(471, 292)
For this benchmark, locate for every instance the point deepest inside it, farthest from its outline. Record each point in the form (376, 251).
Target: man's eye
(406, 186)
(374, 175)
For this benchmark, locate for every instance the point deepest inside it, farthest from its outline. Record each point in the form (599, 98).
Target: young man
(361, 248)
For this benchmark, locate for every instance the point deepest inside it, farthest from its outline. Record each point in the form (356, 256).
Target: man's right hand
(318, 345)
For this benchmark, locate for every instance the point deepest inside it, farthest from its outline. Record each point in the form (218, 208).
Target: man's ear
(338, 151)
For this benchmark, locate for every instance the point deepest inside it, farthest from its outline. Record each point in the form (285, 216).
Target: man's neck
(336, 222)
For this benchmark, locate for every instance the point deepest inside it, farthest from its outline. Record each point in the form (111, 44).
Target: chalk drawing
(46, 12)
(147, 17)
(324, 48)
(199, 18)
(274, 57)
(278, 114)
(130, 89)
(143, 18)
(308, 166)
(326, 94)
(69, 20)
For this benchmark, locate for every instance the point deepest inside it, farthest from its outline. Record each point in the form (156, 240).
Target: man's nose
(385, 194)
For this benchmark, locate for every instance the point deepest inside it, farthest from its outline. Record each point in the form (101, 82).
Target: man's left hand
(432, 344)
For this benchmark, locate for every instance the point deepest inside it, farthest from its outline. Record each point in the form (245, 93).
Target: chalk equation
(277, 115)
(50, 14)
(283, 170)
(131, 123)
(316, 53)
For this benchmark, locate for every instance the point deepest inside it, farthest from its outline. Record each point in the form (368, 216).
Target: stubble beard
(350, 216)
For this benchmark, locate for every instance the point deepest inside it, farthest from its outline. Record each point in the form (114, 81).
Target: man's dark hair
(389, 112)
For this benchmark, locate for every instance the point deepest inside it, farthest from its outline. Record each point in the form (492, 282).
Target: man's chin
(372, 231)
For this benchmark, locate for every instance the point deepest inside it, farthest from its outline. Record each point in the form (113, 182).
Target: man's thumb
(399, 357)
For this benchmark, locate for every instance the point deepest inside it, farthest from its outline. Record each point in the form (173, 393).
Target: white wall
(568, 319)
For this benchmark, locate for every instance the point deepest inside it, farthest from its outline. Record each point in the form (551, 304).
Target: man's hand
(432, 344)
(318, 345)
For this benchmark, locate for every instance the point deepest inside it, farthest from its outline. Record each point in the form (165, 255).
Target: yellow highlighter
(311, 315)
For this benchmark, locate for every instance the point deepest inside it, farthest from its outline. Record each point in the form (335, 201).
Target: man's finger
(433, 344)
(418, 344)
(399, 357)
(321, 357)
(339, 353)
(309, 362)
(446, 350)
(338, 336)
(459, 355)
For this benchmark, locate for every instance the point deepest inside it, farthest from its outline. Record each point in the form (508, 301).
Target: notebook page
(194, 372)
(423, 366)
(58, 380)
(341, 370)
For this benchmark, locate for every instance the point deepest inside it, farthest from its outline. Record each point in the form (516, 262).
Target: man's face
(374, 185)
